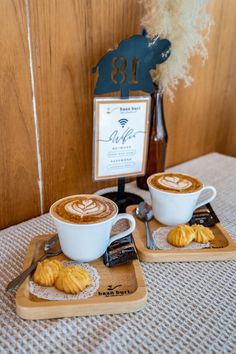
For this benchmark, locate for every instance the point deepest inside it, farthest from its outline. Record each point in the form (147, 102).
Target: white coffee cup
(176, 208)
(88, 241)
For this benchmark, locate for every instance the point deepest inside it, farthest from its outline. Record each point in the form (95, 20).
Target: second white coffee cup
(171, 208)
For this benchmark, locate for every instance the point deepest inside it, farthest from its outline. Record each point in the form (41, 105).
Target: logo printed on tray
(113, 291)
(174, 182)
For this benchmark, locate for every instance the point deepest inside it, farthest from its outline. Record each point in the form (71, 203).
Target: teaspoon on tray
(51, 248)
(144, 212)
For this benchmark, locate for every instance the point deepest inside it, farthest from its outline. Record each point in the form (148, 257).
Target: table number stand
(125, 69)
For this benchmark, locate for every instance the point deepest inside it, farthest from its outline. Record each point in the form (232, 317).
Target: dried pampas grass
(186, 24)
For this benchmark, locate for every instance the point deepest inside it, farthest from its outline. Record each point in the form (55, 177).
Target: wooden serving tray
(223, 247)
(122, 289)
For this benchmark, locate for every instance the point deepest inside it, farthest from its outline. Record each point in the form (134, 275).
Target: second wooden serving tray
(122, 289)
(222, 248)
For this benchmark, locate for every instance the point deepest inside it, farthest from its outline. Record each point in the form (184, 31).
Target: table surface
(191, 307)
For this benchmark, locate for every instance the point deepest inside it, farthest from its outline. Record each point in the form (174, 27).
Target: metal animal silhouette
(127, 67)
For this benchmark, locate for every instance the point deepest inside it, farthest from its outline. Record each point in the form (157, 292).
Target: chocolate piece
(204, 216)
(120, 252)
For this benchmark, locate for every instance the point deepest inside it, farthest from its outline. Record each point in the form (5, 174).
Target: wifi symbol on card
(123, 121)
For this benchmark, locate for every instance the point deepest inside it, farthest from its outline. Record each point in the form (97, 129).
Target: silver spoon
(144, 212)
(51, 248)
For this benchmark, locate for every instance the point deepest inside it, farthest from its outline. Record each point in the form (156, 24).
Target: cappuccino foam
(175, 182)
(84, 209)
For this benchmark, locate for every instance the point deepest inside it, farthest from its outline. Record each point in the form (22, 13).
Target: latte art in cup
(175, 183)
(84, 209)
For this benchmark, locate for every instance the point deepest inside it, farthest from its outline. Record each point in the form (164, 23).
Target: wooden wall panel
(225, 76)
(19, 196)
(203, 117)
(68, 38)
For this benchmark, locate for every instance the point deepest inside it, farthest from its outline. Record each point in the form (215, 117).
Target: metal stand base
(127, 199)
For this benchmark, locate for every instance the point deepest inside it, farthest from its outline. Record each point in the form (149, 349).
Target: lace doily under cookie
(160, 240)
(51, 293)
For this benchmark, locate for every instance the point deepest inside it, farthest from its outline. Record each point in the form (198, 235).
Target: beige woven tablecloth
(191, 307)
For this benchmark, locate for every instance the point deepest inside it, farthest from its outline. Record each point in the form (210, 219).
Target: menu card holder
(125, 69)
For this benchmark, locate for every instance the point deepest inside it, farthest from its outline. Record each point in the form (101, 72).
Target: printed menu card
(121, 128)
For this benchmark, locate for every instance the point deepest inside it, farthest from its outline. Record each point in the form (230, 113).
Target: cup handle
(126, 232)
(208, 200)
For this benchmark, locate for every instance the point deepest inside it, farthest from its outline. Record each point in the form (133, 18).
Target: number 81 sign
(119, 65)
(127, 67)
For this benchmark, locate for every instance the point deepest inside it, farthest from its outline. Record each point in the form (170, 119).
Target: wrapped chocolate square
(120, 252)
(204, 216)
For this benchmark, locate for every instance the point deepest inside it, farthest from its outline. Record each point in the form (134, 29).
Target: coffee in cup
(175, 183)
(84, 209)
(175, 195)
(84, 224)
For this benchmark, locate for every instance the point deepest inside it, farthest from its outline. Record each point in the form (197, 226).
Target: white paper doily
(51, 293)
(160, 240)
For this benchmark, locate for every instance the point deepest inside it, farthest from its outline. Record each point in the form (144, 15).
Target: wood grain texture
(225, 76)
(69, 37)
(202, 117)
(129, 276)
(19, 193)
(223, 246)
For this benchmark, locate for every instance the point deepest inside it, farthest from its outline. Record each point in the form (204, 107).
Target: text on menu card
(120, 136)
